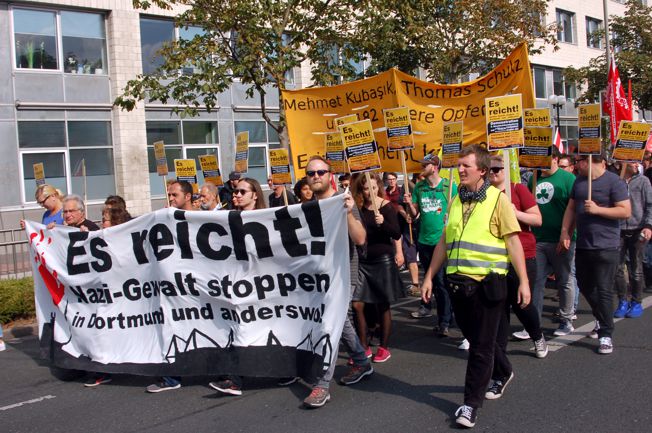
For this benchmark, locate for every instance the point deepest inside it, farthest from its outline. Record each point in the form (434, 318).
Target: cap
(430, 158)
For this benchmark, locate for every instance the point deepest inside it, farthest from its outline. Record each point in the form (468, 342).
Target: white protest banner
(255, 293)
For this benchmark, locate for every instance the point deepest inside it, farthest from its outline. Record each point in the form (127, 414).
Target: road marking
(34, 400)
(581, 332)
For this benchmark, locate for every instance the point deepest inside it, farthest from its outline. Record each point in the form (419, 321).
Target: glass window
(557, 82)
(83, 42)
(169, 132)
(89, 134)
(100, 177)
(257, 130)
(258, 164)
(41, 134)
(570, 91)
(272, 134)
(156, 186)
(565, 21)
(195, 152)
(54, 167)
(199, 132)
(35, 39)
(540, 83)
(592, 26)
(153, 35)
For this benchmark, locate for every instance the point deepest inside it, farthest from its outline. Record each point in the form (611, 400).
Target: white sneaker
(521, 335)
(594, 332)
(465, 345)
(606, 346)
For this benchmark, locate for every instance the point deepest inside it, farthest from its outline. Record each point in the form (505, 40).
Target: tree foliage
(632, 40)
(254, 41)
(450, 38)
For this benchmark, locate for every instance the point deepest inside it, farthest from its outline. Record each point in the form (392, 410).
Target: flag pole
(84, 178)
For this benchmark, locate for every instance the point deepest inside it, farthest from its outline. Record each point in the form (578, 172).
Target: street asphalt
(417, 390)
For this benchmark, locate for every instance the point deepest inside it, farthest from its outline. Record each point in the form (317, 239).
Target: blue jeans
(442, 298)
(549, 260)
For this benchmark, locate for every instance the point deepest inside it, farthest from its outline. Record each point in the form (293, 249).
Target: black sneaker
(98, 379)
(466, 415)
(226, 386)
(356, 373)
(497, 388)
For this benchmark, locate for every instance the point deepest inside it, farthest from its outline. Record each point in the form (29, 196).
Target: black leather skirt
(379, 281)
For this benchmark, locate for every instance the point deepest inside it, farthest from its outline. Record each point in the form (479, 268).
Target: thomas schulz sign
(255, 293)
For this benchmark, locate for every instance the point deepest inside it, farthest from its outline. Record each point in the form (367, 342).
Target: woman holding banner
(50, 198)
(248, 195)
(380, 280)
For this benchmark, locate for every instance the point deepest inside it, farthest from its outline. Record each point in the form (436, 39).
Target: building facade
(63, 62)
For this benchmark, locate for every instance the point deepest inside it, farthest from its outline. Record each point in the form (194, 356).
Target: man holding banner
(596, 210)
(319, 177)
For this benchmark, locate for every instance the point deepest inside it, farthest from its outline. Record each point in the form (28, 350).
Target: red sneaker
(382, 355)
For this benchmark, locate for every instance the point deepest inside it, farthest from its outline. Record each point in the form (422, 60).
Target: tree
(450, 38)
(632, 40)
(255, 41)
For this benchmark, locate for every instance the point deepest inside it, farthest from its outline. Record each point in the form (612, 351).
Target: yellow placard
(187, 170)
(399, 128)
(360, 146)
(279, 164)
(588, 120)
(161, 160)
(242, 152)
(504, 122)
(349, 118)
(211, 169)
(631, 140)
(537, 117)
(537, 152)
(309, 112)
(335, 152)
(39, 173)
(453, 135)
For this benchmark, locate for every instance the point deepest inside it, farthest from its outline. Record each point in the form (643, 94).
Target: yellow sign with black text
(588, 120)
(399, 129)
(335, 152)
(537, 152)
(161, 160)
(187, 170)
(311, 112)
(537, 117)
(504, 122)
(360, 146)
(39, 173)
(451, 144)
(242, 152)
(631, 140)
(211, 169)
(279, 165)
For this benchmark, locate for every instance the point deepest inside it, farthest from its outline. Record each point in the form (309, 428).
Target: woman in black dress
(380, 281)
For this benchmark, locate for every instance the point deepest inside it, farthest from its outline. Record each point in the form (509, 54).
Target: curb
(20, 331)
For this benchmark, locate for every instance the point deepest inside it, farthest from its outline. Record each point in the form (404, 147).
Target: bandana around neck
(480, 195)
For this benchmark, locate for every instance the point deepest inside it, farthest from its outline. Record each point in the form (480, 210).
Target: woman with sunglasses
(379, 276)
(50, 199)
(247, 195)
(528, 215)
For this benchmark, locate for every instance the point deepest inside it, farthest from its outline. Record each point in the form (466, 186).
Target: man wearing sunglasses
(597, 249)
(319, 178)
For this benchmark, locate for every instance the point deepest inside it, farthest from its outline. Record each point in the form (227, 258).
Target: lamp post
(556, 102)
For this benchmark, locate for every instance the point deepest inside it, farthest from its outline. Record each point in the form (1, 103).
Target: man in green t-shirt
(553, 191)
(430, 200)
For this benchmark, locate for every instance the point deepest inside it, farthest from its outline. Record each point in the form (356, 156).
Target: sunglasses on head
(496, 170)
(319, 173)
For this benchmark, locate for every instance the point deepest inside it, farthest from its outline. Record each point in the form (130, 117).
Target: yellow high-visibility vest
(471, 248)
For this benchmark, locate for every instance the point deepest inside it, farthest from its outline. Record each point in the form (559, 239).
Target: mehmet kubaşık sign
(254, 293)
(311, 112)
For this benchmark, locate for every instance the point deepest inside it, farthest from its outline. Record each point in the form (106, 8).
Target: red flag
(615, 103)
(557, 141)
